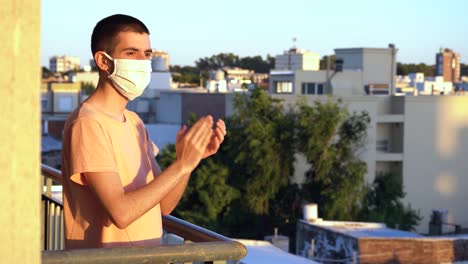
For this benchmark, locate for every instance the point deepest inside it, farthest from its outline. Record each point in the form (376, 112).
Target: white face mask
(130, 77)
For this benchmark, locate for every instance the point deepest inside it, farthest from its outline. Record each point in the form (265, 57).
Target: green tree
(186, 74)
(383, 203)
(87, 87)
(217, 61)
(46, 73)
(405, 69)
(323, 62)
(329, 138)
(207, 196)
(259, 149)
(255, 63)
(463, 69)
(271, 61)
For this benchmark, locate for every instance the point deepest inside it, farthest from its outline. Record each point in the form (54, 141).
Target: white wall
(376, 63)
(377, 66)
(169, 108)
(89, 77)
(345, 83)
(435, 164)
(300, 61)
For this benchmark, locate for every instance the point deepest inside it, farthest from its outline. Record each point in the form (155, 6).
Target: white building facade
(358, 71)
(64, 63)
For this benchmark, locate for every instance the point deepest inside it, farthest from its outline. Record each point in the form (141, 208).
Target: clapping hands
(200, 141)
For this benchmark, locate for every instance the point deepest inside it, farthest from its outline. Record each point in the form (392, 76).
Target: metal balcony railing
(200, 244)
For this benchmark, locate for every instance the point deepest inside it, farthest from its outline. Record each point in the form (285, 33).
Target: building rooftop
(361, 229)
(263, 252)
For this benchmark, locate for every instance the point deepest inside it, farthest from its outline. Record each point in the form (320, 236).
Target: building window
(312, 88)
(320, 88)
(284, 87)
(45, 127)
(44, 104)
(383, 145)
(65, 103)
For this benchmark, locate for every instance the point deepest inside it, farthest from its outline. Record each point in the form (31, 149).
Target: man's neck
(107, 100)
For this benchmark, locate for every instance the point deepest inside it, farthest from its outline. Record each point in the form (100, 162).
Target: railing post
(62, 228)
(43, 228)
(46, 225)
(48, 191)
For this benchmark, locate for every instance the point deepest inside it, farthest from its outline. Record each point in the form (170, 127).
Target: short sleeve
(152, 148)
(90, 150)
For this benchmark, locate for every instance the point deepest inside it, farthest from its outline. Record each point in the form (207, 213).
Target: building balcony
(391, 105)
(390, 118)
(388, 157)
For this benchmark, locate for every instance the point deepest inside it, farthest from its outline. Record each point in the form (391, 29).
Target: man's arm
(170, 201)
(123, 207)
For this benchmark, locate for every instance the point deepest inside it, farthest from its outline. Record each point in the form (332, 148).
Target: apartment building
(448, 65)
(358, 71)
(64, 63)
(58, 100)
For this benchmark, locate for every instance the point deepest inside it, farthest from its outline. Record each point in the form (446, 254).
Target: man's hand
(217, 138)
(191, 145)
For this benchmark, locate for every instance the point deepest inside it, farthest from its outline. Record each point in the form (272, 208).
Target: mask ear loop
(112, 60)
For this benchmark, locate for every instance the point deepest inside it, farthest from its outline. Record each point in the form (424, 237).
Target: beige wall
(435, 164)
(375, 63)
(345, 83)
(20, 132)
(377, 66)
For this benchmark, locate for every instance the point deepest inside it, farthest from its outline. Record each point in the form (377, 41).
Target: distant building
(297, 59)
(430, 85)
(448, 65)
(230, 79)
(88, 77)
(417, 84)
(160, 61)
(58, 100)
(358, 71)
(64, 63)
(377, 66)
(358, 242)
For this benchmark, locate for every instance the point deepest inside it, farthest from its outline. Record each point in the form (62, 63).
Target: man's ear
(102, 62)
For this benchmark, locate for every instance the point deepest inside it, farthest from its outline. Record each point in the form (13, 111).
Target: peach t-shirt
(95, 142)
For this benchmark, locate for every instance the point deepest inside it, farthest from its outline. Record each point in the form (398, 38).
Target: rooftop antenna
(294, 39)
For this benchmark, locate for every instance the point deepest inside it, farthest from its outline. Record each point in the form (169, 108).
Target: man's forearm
(172, 198)
(125, 207)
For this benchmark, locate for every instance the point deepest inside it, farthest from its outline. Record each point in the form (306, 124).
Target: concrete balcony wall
(20, 131)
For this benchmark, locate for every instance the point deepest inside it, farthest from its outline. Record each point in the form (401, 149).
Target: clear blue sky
(189, 30)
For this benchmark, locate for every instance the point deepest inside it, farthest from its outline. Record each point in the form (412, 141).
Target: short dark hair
(105, 31)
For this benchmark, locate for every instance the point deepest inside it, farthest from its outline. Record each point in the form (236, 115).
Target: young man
(114, 191)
